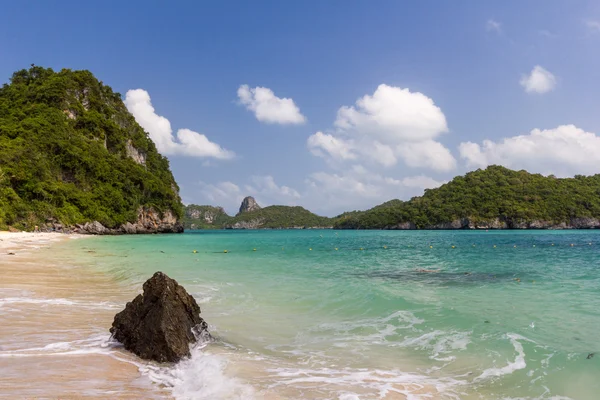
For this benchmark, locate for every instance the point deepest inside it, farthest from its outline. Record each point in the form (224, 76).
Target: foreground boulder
(161, 323)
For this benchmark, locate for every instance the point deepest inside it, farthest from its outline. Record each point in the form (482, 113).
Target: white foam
(439, 342)
(517, 364)
(201, 377)
(57, 302)
(384, 383)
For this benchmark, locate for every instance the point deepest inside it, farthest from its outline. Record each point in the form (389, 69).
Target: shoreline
(54, 321)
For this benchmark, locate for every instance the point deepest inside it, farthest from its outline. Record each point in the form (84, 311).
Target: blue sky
(346, 104)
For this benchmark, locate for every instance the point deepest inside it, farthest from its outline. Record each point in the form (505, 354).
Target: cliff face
(205, 217)
(248, 205)
(72, 156)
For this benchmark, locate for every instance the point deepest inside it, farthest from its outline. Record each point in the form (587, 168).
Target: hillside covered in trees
(255, 217)
(71, 153)
(493, 198)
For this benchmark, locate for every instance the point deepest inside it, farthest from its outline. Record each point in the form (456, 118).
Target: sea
(335, 314)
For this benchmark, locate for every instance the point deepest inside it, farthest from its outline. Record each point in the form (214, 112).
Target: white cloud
(391, 124)
(224, 194)
(427, 154)
(266, 187)
(187, 143)
(421, 182)
(539, 80)
(562, 151)
(358, 189)
(393, 114)
(593, 26)
(493, 26)
(269, 108)
(323, 145)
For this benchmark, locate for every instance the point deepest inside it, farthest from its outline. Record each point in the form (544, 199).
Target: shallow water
(351, 314)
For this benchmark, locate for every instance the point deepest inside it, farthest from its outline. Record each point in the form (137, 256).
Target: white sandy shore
(21, 241)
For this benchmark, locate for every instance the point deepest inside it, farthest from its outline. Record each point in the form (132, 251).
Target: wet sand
(51, 345)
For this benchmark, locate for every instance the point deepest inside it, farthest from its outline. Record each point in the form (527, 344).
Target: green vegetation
(513, 197)
(205, 217)
(67, 149)
(280, 217)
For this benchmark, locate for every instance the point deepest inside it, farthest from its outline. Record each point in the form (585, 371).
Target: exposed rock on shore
(148, 221)
(497, 223)
(161, 323)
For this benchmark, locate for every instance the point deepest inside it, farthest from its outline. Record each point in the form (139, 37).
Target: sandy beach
(50, 311)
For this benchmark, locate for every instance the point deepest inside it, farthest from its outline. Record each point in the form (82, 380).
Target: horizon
(335, 108)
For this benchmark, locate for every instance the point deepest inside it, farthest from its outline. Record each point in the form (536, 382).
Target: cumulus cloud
(391, 124)
(540, 80)
(358, 188)
(563, 151)
(269, 108)
(427, 154)
(187, 142)
(266, 187)
(421, 182)
(393, 114)
(224, 194)
(324, 145)
(493, 26)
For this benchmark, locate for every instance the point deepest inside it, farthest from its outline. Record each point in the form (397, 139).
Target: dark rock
(590, 356)
(248, 205)
(161, 323)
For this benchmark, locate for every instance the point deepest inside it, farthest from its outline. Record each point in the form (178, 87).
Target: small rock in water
(486, 322)
(590, 356)
(161, 323)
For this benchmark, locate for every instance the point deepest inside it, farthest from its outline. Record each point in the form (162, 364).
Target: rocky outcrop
(149, 221)
(497, 223)
(456, 224)
(248, 205)
(251, 224)
(207, 213)
(161, 323)
(137, 155)
(402, 226)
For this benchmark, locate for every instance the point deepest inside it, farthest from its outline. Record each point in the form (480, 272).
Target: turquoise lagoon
(378, 314)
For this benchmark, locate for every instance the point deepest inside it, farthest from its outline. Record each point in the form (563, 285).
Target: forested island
(73, 158)
(491, 198)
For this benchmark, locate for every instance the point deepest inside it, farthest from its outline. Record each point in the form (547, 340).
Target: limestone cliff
(248, 205)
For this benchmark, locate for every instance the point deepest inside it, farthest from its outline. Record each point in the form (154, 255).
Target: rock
(13, 230)
(248, 205)
(129, 228)
(137, 155)
(95, 228)
(403, 226)
(161, 323)
(252, 224)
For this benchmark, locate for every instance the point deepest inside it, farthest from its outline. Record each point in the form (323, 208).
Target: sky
(333, 105)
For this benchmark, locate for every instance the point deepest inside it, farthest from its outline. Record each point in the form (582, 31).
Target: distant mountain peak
(248, 204)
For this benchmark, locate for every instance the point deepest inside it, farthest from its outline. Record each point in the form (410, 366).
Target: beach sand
(50, 343)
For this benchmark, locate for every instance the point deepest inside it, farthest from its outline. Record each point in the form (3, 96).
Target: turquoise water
(501, 315)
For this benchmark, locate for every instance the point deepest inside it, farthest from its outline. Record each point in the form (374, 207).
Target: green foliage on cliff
(65, 146)
(205, 217)
(281, 217)
(484, 195)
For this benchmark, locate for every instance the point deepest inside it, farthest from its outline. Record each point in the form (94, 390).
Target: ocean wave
(368, 383)
(200, 377)
(57, 302)
(512, 366)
